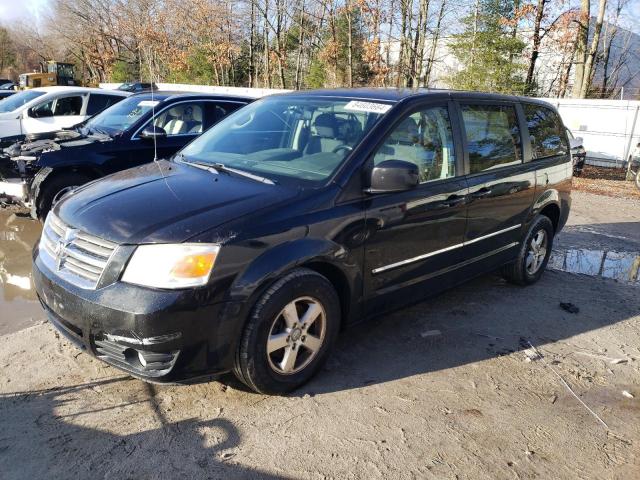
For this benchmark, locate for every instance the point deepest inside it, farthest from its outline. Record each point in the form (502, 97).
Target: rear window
(493, 136)
(548, 137)
(98, 102)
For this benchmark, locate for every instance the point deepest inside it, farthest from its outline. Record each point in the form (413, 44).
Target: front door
(501, 185)
(417, 234)
(56, 114)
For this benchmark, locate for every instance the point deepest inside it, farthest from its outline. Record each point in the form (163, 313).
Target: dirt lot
(450, 388)
(606, 181)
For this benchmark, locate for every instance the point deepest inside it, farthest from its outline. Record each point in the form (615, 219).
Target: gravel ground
(449, 388)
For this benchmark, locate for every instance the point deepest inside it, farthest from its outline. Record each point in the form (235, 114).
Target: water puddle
(621, 266)
(19, 306)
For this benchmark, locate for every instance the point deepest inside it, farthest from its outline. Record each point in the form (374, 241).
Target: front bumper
(157, 335)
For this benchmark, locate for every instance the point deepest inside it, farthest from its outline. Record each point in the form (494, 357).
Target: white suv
(50, 109)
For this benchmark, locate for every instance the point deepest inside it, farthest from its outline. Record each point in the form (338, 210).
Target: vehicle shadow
(480, 320)
(44, 436)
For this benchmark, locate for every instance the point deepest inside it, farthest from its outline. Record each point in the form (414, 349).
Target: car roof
(65, 89)
(397, 94)
(164, 95)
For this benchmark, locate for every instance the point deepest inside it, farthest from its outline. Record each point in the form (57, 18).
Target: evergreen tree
(489, 54)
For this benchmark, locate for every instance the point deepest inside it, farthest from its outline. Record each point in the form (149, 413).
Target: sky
(11, 10)
(28, 10)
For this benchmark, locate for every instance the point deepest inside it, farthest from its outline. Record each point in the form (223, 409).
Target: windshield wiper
(221, 167)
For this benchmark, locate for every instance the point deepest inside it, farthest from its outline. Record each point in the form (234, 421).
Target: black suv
(130, 133)
(296, 216)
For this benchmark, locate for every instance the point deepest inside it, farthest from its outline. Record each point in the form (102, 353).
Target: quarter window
(98, 102)
(423, 138)
(546, 131)
(493, 136)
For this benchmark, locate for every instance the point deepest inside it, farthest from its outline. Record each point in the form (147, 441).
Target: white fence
(183, 87)
(610, 128)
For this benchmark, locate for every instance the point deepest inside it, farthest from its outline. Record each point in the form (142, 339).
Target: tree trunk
(589, 67)
(349, 44)
(300, 45)
(582, 37)
(434, 45)
(267, 68)
(252, 40)
(535, 47)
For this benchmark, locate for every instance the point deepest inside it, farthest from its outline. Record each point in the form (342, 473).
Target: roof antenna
(153, 120)
(153, 109)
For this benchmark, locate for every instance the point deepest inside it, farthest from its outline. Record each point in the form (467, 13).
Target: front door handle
(483, 192)
(454, 200)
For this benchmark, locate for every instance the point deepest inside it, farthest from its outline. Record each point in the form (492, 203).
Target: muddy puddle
(19, 306)
(621, 266)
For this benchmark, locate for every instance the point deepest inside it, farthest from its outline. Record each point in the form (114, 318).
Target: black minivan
(296, 216)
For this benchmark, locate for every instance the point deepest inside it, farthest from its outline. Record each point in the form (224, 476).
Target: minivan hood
(164, 202)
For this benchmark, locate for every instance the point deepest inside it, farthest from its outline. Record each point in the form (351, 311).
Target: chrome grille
(76, 256)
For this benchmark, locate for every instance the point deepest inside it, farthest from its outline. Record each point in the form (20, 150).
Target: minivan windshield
(17, 100)
(121, 116)
(299, 139)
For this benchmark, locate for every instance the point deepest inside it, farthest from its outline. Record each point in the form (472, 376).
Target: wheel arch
(47, 174)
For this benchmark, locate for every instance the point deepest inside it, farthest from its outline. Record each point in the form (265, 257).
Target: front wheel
(289, 334)
(533, 254)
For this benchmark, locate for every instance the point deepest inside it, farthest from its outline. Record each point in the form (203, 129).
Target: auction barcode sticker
(359, 106)
(148, 103)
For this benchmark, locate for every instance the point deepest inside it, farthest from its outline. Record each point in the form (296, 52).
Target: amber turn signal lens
(194, 266)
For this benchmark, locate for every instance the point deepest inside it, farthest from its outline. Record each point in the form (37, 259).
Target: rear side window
(68, 106)
(493, 136)
(98, 102)
(546, 132)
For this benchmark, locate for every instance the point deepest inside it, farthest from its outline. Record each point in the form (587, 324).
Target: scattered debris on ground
(606, 181)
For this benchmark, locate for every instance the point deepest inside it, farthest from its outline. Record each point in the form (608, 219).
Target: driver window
(68, 106)
(43, 110)
(183, 119)
(424, 138)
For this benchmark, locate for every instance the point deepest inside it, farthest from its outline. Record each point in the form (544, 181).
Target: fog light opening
(142, 360)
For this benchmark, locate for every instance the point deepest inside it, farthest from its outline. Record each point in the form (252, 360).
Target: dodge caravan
(296, 216)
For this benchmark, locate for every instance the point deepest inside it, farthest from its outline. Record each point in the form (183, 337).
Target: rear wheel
(55, 188)
(289, 334)
(533, 254)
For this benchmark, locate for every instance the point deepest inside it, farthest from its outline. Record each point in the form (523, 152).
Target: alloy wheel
(537, 252)
(296, 335)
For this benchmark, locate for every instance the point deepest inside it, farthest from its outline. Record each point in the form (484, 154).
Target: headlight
(171, 266)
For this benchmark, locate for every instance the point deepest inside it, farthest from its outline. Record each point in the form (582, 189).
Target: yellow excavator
(58, 73)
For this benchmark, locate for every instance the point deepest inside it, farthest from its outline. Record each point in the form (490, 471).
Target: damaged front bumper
(15, 190)
(155, 335)
(14, 181)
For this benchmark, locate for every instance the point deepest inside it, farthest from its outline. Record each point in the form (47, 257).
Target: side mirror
(151, 131)
(394, 176)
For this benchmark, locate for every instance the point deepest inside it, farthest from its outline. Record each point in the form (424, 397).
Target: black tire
(253, 366)
(518, 272)
(53, 187)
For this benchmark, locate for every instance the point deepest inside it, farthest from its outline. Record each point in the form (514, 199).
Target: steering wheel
(342, 147)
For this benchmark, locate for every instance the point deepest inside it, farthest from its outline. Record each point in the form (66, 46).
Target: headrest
(325, 125)
(406, 132)
(196, 113)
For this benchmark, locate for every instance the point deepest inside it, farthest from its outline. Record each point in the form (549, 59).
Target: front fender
(273, 263)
